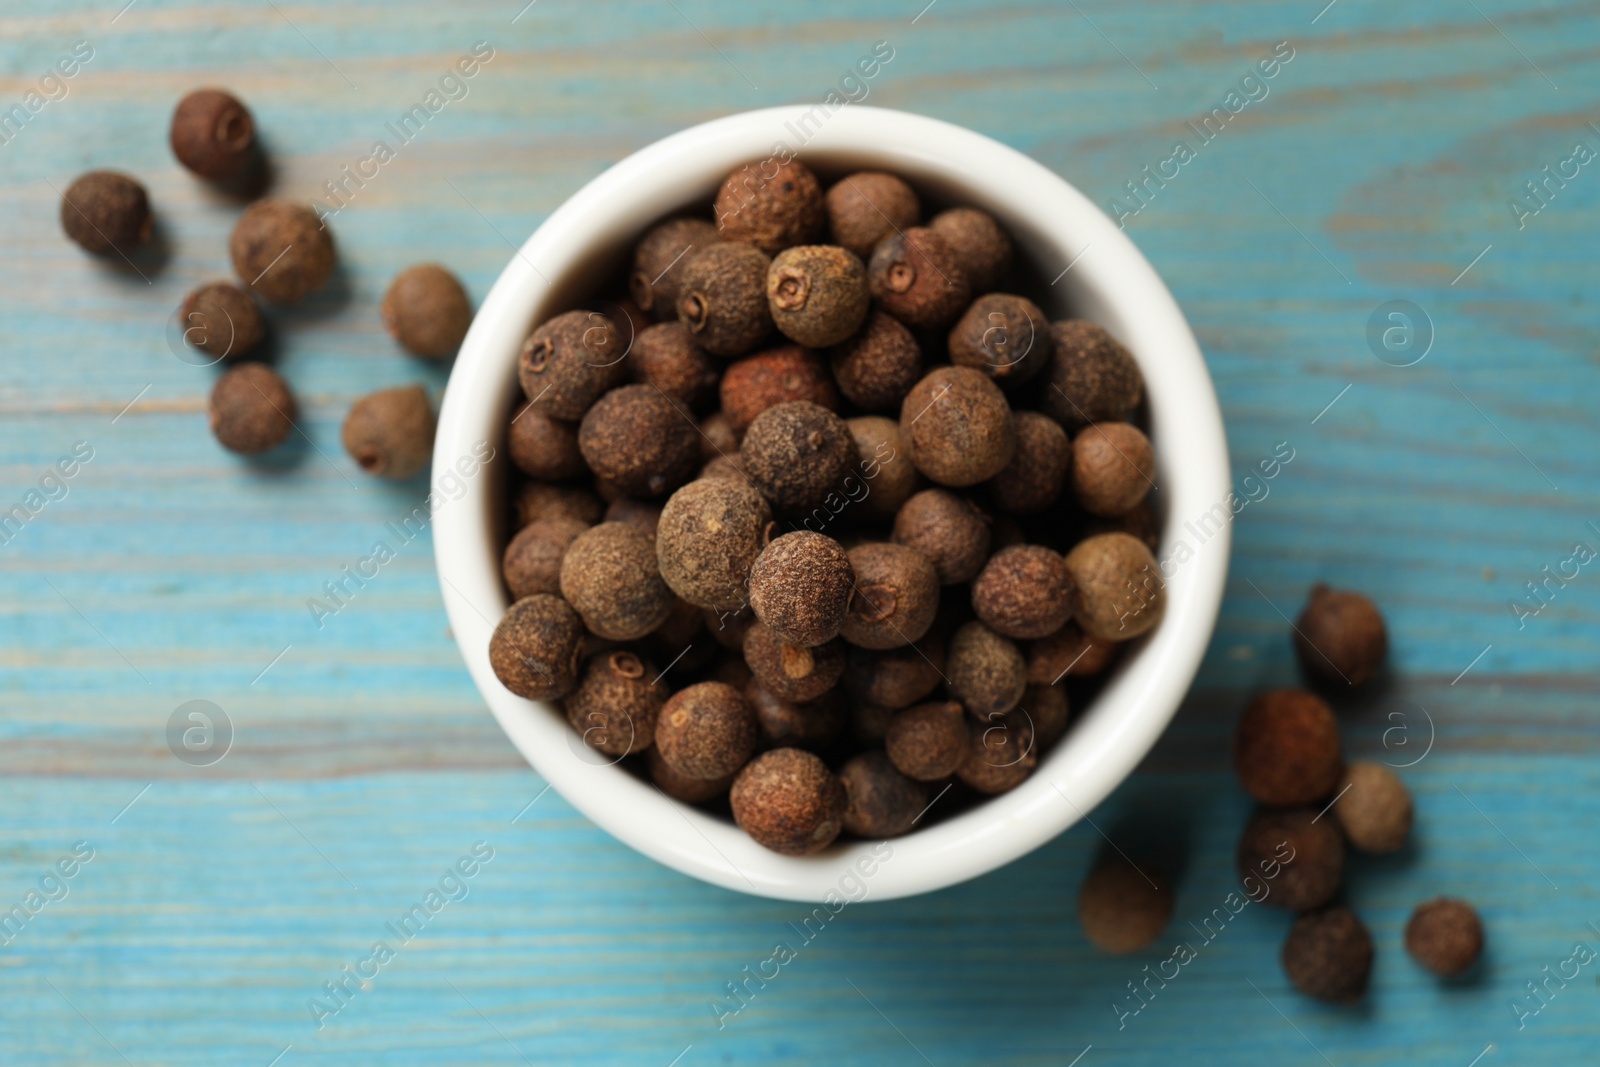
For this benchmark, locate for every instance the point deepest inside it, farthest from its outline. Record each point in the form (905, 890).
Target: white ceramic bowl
(586, 242)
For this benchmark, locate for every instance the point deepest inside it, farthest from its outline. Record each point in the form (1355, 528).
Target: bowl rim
(1104, 277)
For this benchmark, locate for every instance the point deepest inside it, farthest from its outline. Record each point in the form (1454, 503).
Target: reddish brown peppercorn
(798, 454)
(787, 800)
(1001, 753)
(638, 442)
(722, 298)
(681, 786)
(787, 724)
(957, 427)
(614, 707)
(1023, 592)
(658, 259)
(537, 647)
(390, 432)
(1296, 855)
(1117, 589)
(884, 468)
(105, 212)
(867, 206)
(710, 532)
(532, 561)
(541, 500)
(1445, 936)
(1286, 749)
(251, 409)
(776, 376)
(542, 447)
(1033, 479)
(222, 320)
(1069, 652)
(570, 362)
(1340, 637)
(800, 587)
(817, 294)
(707, 731)
(927, 742)
(877, 366)
(770, 205)
(1113, 467)
(609, 577)
(882, 801)
(790, 671)
(981, 247)
(1091, 377)
(985, 671)
(1006, 337)
(281, 250)
(666, 357)
(951, 532)
(1328, 955)
(1124, 906)
(1374, 808)
(214, 136)
(426, 309)
(914, 276)
(896, 596)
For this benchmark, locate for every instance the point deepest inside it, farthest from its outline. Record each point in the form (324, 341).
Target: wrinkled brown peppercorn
(541, 500)
(427, 310)
(1328, 955)
(1296, 855)
(877, 366)
(1113, 467)
(884, 469)
(251, 409)
(681, 786)
(882, 801)
(981, 247)
(1374, 808)
(609, 576)
(658, 261)
(1001, 753)
(281, 250)
(914, 276)
(1034, 478)
(1023, 592)
(800, 587)
(896, 596)
(1117, 590)
(666, 357)
(1445, 936)
(105, 212)
(1069, 652)
(1340, 637)
(570, 362)
(222, 320)
(537, 647)
(542, 447)
(614, 707)
(1090, 378)
(1286, 749)
(787, 800)
(957, 427)
(927, 742)
(707, 730)
(951, 532)
(214, 136)
(985, 671)
(1006, 337)
(867, 206)
(532, 561)
(776, 376)
(390, 432)
(788, 724)
(722, 298)
(790, 671)
(797, 454)
(637, 441)
(817, 294)
(771, 211)
(1124, 906)
(710, 532)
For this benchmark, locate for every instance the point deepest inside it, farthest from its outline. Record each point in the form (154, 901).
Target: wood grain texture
(1378, 166)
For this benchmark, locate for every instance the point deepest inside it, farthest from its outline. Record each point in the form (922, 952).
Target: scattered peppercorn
(981, 247)
(896, 596)
(985, 671)
(1328, 955)
(882, 801)
(776, 376)
(897, 678)
(885, 469)
(1006, 337)
(867, 206)
(281, 250)
(1286, 749)
(658, 259)
(957, 427)
(251, 408)
(214, 136)
(666, 357)
(635, 439)
(1069, 652)
(532, 561)
(1090, 378)
(543, 447)
(790, 671)
(707, 730)
(1022, 592)
(787, 724)
(681, 786)
(800, 587)
(427, 310)
(1033, 479)
(927, 742)
(615, 706)
(1117, 590)
(1304, 852)
(1124, 906)
(609, 577)
(541, 500)
(817, 294)
(1001, 753)
(915, 276)
(1445, 935)
(771, 212)
(570, 362)
(710, 532)
(1374, 808)
(105, 212)
(1113, 467)
(951, 532)
(1340, 637)
(878, 365)
(537, 647)
(797, 453)
(722, 298)
(390, 432)
(222, 320)
(788, 801)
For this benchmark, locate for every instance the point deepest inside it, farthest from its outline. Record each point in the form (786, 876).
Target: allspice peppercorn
(788, 724)
(710, 532)
(1034, 478)
(707, 730)
(1340, 637)
(1445, 935)
(1023, 592)
(681, 786)
(666, 357)
(214, 136)
(958, 427)
(1069, 652)
(951, 532)
(543, 447)
(281, 250)
(885, 469)
(1047, 709)
(638, 442)
(867, 206)
(878, 365)
(787, 800)
(898, 677)
(1124, 906)
(817, 294)
(981, 247)
(927, 742)
(790, 671)
(532, 561)
(390, 432)
(1117, 589)
(658, 260)
(537, 647)
(609, 576)
(800, 587)
(426, 309)
(614, 706)
(1090, 377)
(1298, 855)
(1328, 955)
(882, 802)
(1374, 808)
(771, 211)
(642, 514)
(722, 298)
(1001, 753)
(569, 362)
(221, 320)
(251, 409)
(896, 596)
(778, 375)
(1286, 749)
(914, 275)
(797, 454)
(541, 500)
(1113, 467)
(1006, 337)
(105, 212)
(985, 671)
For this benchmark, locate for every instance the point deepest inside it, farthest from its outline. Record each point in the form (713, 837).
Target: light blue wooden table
(1379, 166)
